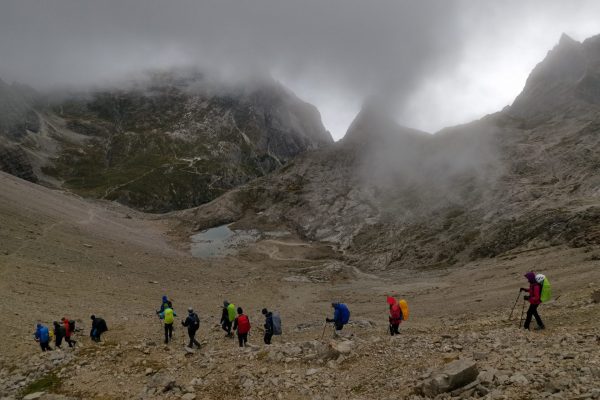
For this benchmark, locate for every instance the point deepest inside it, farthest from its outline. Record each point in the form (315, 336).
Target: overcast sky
(434, 63)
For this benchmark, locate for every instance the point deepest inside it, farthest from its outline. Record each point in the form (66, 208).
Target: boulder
(518, 379)
(33, 396)
(189, 351)
(343, 347)
(453, 376)
(161, 382)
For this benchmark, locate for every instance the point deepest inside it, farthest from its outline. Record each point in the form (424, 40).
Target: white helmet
(539, 278)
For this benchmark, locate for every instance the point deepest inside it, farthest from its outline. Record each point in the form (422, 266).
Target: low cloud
(436, 62)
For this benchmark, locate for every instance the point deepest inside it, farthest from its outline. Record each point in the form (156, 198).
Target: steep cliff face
(14, 161)
(17, 115)
(389, 196)
(172, 140)
(17, 120)
(566, 82)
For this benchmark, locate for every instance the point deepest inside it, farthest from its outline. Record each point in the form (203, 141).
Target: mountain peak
(552, 84)
(374, 124)
(566, 40)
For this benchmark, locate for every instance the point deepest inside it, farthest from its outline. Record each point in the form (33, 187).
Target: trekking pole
(522, 312)
(514, 305)
(324, 327)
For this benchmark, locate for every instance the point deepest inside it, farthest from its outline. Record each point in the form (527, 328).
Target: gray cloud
(334, 53)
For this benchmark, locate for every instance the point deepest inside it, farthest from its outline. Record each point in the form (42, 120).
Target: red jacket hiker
(534, 297)
(242, 324)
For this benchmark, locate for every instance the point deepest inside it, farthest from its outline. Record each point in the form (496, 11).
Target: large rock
(453, 376)
(161, 382)
(33, 396)
(337, 348)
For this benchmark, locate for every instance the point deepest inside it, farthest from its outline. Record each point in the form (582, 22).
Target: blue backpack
(344, 313)
(44, 334)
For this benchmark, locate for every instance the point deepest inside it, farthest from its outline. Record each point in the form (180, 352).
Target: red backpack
(243, 324)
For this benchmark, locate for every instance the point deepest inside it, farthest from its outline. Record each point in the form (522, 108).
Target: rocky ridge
(389, 196)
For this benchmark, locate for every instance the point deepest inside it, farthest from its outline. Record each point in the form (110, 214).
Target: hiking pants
(394, 329)
(69, 341)
(95, 335)
(338, 326)
(193, 341)
(532, 312)
(268, 336)
(45, 346)
(226, 326)
(168, 332)
(243, 339)
(58, 341)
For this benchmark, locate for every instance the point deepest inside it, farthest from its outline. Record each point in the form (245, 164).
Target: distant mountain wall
(171, 140)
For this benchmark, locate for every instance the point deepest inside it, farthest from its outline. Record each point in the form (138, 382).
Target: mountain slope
(390, 197)
(171, 140)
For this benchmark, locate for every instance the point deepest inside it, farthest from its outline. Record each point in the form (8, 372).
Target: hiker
(59, 334)
(42, 335)
(268, 325)
(168, 316)
(341, 316)
(242, 325)
(165, 303)
(69, 329)
(395, 317)
(98, 328)
(534, 297)
(192, 322)
(227, 317)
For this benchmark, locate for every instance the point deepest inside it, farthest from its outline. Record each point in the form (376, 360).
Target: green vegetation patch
(47, 383)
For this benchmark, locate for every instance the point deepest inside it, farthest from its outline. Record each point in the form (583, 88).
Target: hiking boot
(539, 328)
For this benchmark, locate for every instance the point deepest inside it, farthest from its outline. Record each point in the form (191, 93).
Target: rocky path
(503, 362)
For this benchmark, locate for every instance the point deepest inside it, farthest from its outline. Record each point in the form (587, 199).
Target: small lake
(221, 241)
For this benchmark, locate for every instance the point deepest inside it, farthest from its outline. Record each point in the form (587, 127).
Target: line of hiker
(60, 331)
(65, 330)
(233, 319)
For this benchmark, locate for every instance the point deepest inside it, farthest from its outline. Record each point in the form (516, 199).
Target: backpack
(44, 334)
(276, 323)
(243, 324)
(404, 307)
(546, 292)
(345, 313)
(195, 321)
(169, 316)
(231, 312)
(71, 323)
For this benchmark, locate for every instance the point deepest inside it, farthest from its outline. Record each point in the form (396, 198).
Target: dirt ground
(61, 255)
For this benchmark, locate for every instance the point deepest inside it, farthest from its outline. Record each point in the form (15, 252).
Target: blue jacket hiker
(42, 335)
(341, 315)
